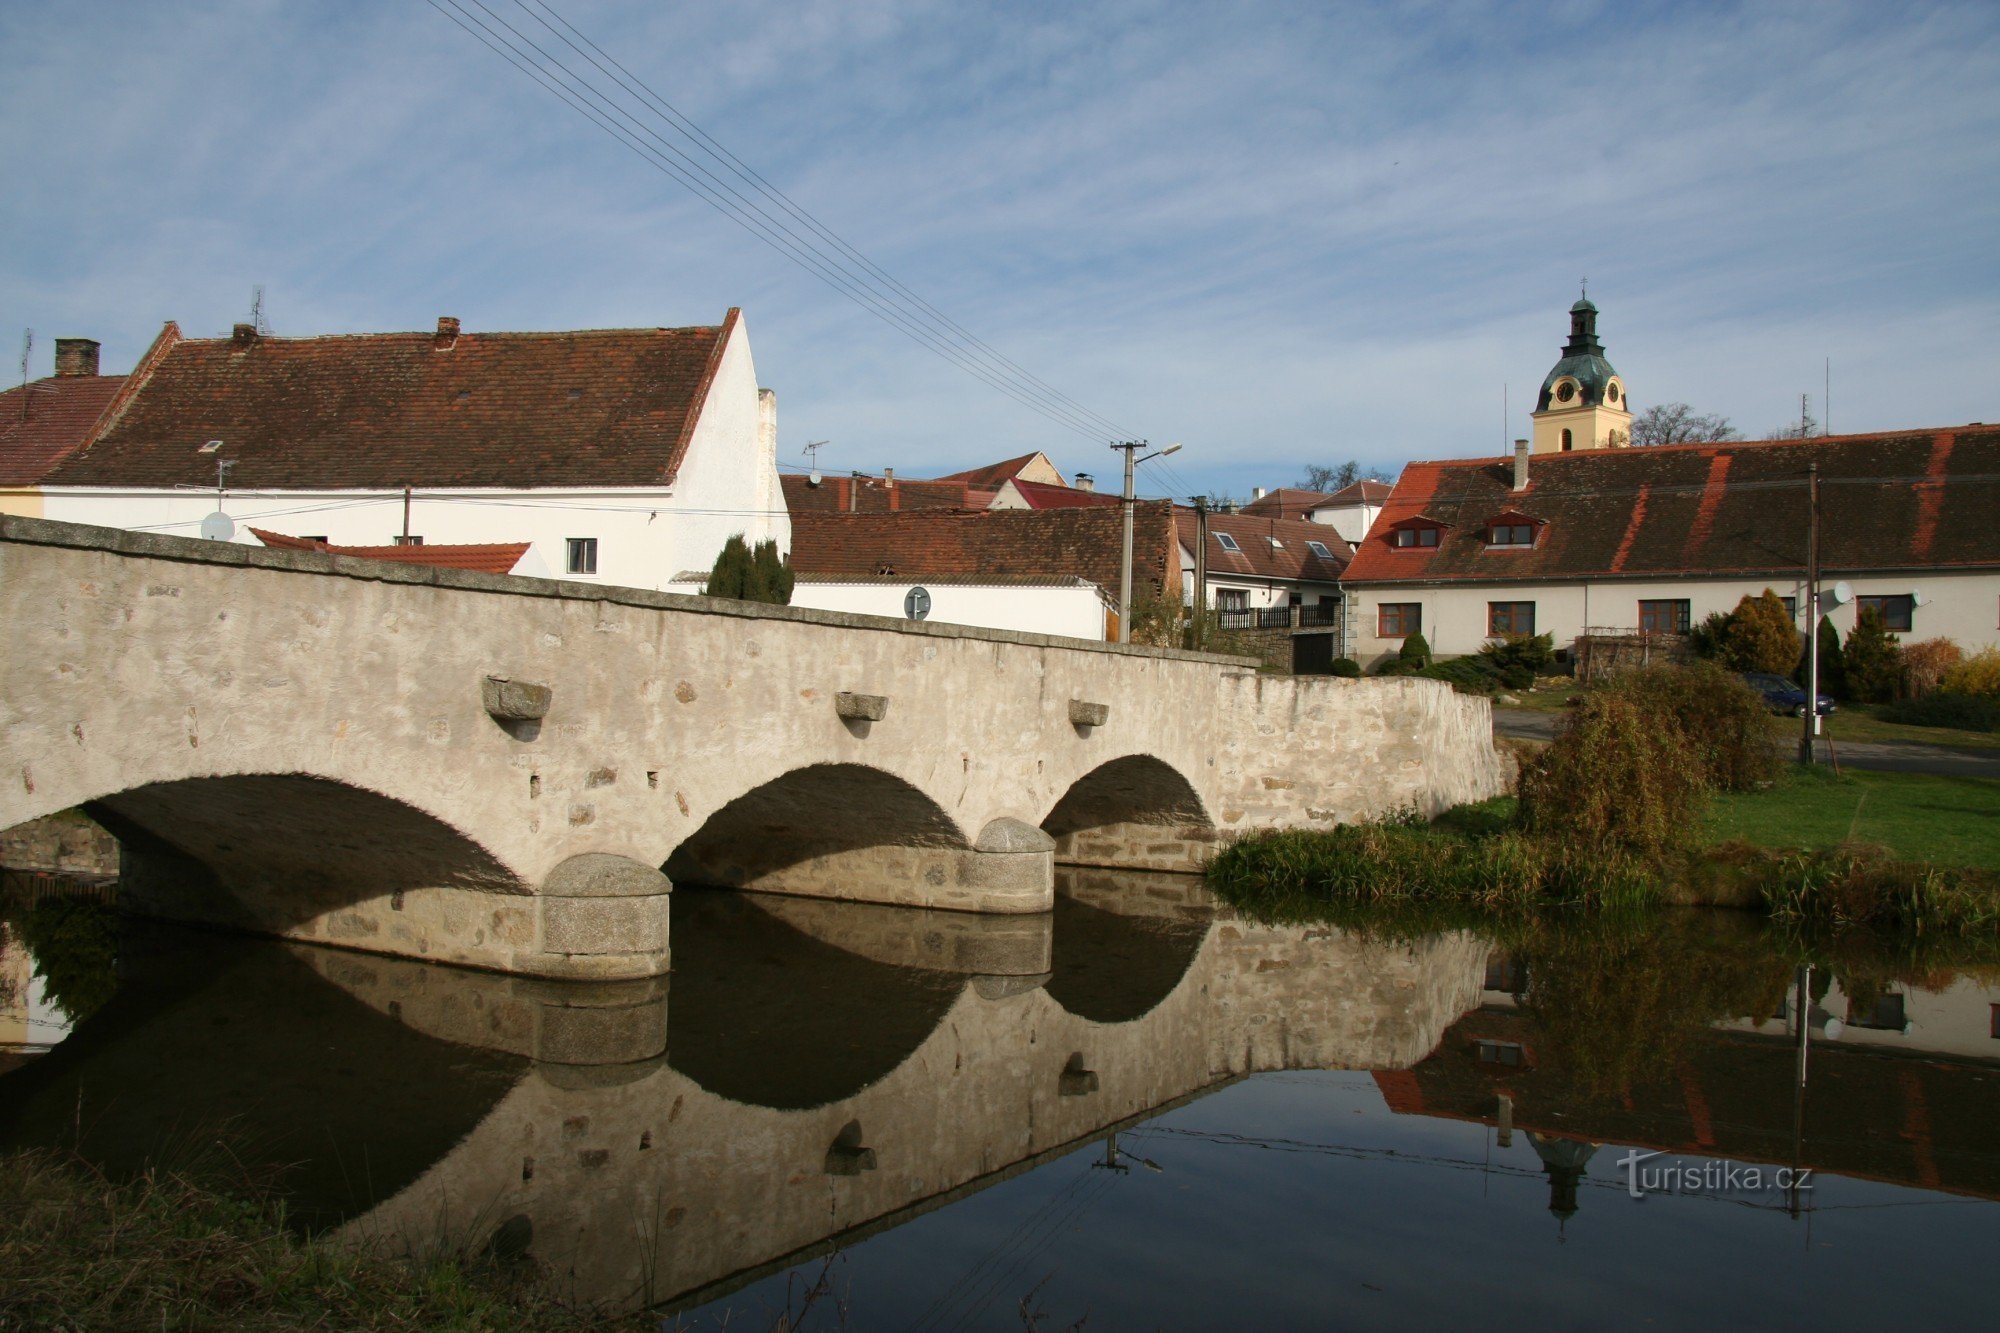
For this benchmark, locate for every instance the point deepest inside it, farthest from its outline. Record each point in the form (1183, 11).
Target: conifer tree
(759, 575)
(730, 576)
(1759, 636)
(1873, 657)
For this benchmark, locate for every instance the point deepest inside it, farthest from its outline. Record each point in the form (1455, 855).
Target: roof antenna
(257, 311)
(812, 457)
(27, 351)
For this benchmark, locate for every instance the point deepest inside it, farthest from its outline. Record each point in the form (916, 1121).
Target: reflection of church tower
(1582, 404)
(1563, 1160)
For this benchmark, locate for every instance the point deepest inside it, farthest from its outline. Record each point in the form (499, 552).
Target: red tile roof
(874, 495)
(44, 422)
(602, 407)
(1085, 543)
(1041, 495)
(1922, 499)
(493, 558)
(994, 475)
(1366, 491)
(1288, 502)
(1293, 559)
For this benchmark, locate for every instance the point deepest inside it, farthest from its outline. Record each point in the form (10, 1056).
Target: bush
(1759, 635)
(761, 575)
(1874, 659)
(1832, 666)
(1473, 675)
(1722, 719)
(1978, 674)
(1416, 648)
(1346, 667)
(1617, 776)
(1534, 653)
(1967, 712)
(1705, 638)
(1927, 662)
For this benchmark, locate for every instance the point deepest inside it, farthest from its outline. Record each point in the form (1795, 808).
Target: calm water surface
(1142, 1112)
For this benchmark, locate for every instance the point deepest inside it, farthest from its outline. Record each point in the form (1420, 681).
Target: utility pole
(404, 540)
(1811, 723)
(1132, 461)
(1200, 571)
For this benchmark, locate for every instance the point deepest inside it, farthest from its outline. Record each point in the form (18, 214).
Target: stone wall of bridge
(316, 746)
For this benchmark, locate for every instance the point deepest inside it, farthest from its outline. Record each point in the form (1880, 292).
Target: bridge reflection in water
(811, 1071)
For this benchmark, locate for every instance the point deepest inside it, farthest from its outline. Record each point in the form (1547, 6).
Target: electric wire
(587, 97)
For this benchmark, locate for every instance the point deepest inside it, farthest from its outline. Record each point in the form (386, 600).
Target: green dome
(1582, 360)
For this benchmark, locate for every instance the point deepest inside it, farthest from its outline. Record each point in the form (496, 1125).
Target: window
(1791, 607)
(1399, 620)
(1232, 599)
(1416, 537)
(1885, 1015)
(1510, 618)
(1506, 973)
(1499, 1052)
(1667, 615)
(1511, 534)
(582, 555)
(1995, 1020)
(1567, 442)
(1319, 549)
(1277, 545)
(407, 540)
(319, 538)
(1227, 542)
(1896, 611)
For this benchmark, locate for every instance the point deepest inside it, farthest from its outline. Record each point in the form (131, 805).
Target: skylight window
(1319, 549)
(1228, 542)
(1277, 545)
(210, 447)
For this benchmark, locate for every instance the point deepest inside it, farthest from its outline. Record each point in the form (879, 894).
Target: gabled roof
(600, 407)
(1085, 543)
(493, 558)
(1040, 495)
(1898, 500)
(994, 474)
(44, 422)
(1288, 502)
(876, 495)
(1366, 491)
(1255, 557)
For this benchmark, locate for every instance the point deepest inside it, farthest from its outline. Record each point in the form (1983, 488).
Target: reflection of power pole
(1811, 724)
(1200, 571)
(1111, 1162)
(1804, 1007)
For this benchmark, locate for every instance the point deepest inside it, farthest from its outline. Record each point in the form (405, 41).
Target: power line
(886, 299)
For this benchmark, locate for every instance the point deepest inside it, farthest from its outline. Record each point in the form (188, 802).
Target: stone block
(861, 707)
(1086, 714)
(509, 700)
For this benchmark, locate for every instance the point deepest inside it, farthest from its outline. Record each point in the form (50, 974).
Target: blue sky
(1277, 233)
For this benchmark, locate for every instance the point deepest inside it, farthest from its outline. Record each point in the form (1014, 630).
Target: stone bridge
(510, 773)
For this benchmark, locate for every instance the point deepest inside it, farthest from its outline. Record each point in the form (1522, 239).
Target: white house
(1652, 540)
(1349, 511)
(619, 455)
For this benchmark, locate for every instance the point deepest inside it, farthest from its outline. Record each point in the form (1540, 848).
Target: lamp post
(1131, 448)
(1811, 724)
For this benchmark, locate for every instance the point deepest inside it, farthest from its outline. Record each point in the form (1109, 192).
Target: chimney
(243, 335)
(1085, 482)
(889, 478)
(446, 337)
(1257, 492)
(76, 356)
(1520, 465)
(767, 427)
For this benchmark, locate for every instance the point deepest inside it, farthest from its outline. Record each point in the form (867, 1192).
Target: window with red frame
(1511, 534)
(1510, 618)
(1399, 620)
(1415, 536)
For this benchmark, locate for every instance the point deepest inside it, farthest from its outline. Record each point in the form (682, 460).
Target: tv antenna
(257, 310)
(812, 458)
(27, 351)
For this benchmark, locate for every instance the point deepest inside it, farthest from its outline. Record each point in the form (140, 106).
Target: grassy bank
(79, 1251)
(1882, 853)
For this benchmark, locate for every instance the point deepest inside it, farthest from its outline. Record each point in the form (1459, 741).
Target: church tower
(1582, 405)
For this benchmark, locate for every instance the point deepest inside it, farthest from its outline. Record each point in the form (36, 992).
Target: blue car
(1781, 696)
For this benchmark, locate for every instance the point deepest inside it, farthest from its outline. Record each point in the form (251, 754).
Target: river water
(1141, 1112)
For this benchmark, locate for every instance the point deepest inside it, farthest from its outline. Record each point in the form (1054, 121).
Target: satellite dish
(1834, 1027)
(1840, 594)
(815, 479)
(1916, 599)
(218, 527)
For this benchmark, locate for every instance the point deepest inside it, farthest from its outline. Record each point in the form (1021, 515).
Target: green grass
(1858, 722)
(1917, 816)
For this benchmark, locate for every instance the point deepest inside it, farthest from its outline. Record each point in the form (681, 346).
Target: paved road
(1881, 756)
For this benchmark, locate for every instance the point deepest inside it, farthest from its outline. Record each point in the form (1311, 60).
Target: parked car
(1781, 696)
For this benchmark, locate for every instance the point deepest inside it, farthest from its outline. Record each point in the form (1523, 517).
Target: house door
(1312, 654)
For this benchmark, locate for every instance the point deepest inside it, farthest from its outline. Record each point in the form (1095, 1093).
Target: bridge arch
(1134, 812)
(855, 832)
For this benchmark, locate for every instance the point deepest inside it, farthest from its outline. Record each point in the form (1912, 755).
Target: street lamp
(1131, 447)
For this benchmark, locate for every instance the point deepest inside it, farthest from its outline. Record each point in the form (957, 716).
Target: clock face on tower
(1612, 393)
(1565, 391)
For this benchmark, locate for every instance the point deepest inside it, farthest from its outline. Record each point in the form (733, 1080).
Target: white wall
(728, 483)
(1962, 607)
(1075, 612)
(1350, 521)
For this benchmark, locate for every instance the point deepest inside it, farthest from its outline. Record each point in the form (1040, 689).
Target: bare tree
(1677, 423)
(1326, 480)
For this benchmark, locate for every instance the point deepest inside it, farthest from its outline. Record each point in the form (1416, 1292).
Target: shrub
(1759, 635)
(1345, 666)
(1978, 674)
(1873, 658)
(1927, 662)
(1473, 675)
(1967, 712)
(1533, 653)
(1705, 638)
(1617, 776)
(1832, 666)
(1416, 648)
(761, 575)
(1722, 719)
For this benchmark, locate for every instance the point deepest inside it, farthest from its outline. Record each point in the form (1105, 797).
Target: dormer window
(1511, 534)
(1414, 536)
